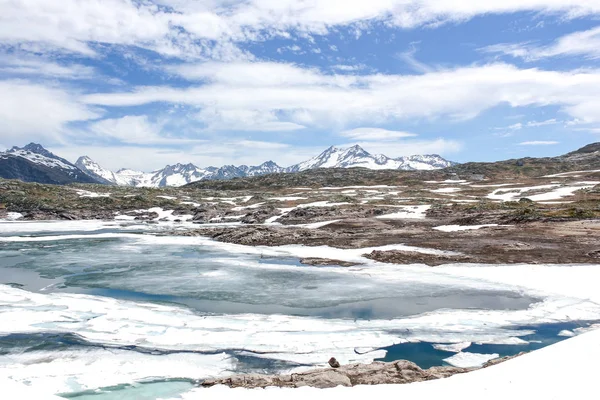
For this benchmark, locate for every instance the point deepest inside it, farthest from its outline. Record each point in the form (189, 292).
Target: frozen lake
(117, 311)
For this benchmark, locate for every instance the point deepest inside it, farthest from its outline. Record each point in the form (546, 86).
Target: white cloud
(128, 129)
(39, 67)
(39, 112)
(210, 153)
(440, 146)
(287, 92)
(409, 58)
(256, 144)
(348, 68)
(190, 29)
(375, 134)
(244, 120)
(538, 143)
(583, 43)
(552, 121)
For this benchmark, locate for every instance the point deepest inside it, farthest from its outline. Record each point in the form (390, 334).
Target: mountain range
(33, 163)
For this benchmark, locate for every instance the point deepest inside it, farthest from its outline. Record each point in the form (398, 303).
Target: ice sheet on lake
(306, 339)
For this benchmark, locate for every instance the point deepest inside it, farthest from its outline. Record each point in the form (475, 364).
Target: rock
(499, 360)
(333, 363)
(376, 373)
(68, 216)
(259, 216)
(411, 257)
(204, 214)
(326, 261)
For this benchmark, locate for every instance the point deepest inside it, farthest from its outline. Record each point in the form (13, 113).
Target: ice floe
(468, 360)
(453, 347)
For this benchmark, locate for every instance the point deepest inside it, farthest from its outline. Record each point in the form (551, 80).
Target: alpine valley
(33, 163)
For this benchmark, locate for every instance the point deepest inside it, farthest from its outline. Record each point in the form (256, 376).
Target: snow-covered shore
(561, 371)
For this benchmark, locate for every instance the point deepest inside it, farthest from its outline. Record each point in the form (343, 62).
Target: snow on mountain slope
(38, 155)
(33, 163)
(356, 156)
(94, 170)
(172, 175)
(86, 170)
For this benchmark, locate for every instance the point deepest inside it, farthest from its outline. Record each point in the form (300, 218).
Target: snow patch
(456, 228)
(409, 212)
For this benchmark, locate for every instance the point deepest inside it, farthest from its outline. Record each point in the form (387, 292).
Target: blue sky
(142, 84)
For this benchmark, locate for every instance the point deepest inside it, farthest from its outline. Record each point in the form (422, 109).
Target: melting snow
(13, 216)
(87, 193)
(409, 212)
(558, 192)
(456, 228)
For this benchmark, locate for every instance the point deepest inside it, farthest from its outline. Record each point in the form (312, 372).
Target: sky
(146, 83)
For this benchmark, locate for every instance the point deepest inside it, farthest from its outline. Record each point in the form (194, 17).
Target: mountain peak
(34, 148)
(83, 159)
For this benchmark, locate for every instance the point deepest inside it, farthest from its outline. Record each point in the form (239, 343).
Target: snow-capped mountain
(33, 163)
(36, 164)
(333, 157)
(171, 175)
(95, 171)
(356, 156)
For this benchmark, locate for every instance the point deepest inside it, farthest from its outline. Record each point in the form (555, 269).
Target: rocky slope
(33, 163)
(376, 373)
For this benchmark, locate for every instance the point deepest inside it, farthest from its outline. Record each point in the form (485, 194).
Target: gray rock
(333, 363)
(376, 373)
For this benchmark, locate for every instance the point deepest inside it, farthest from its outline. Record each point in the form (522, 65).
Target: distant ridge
(33, 163)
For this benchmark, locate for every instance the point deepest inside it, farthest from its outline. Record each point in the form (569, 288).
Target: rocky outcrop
(326, 262)
(260, 216)
(411, 257)
(376, 373)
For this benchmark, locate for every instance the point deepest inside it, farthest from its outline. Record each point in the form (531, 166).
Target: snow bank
(536, 375)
